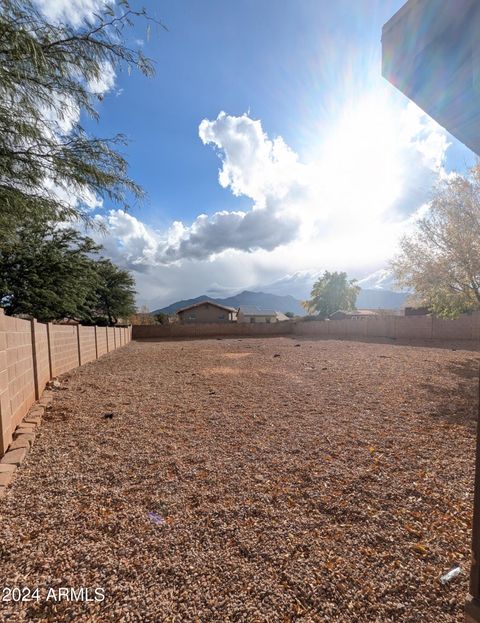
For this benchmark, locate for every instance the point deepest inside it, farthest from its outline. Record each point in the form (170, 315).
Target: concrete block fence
(32, 353)
(210, 329)
(395, 327)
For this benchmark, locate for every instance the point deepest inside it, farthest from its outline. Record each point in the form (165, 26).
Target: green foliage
(161, 318)
(50, 272)
(48, 163)
(47, 272)
(115, 293)
(440, 261)
(333, 291)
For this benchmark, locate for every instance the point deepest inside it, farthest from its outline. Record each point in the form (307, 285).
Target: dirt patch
(237, 355)
(330, 482)
(221, 370)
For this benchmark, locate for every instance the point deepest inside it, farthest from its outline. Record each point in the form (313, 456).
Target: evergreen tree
(114, 295)
(47, 272)
(52, 272)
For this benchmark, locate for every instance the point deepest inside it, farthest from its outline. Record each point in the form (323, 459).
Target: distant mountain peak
(382, 279)
(286, 293)
(262, 300)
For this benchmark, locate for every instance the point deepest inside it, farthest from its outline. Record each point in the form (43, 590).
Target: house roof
(253, 310)
(213, 303)
(356, 312)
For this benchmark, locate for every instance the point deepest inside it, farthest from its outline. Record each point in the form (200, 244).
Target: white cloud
(253, 165)
(267, 171)
(64, 113)
(105, 82)
(343, 209)
(72, 11)
(129, 242)
(258, 229)
(75, 13)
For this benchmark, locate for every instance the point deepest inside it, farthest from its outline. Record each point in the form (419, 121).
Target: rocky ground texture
(248, 480)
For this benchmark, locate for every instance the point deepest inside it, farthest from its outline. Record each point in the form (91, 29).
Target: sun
(360, 159)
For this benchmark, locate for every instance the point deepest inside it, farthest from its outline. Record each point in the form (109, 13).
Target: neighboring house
(416, 311)
(207, 311)
(253, 314)
(356, 314)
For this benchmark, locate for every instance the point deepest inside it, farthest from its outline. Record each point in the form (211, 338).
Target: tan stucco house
(252, 314)
(207, 311)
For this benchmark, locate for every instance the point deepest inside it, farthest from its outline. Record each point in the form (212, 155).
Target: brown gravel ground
(254, 480)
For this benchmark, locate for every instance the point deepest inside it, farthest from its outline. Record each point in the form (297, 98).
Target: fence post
(33, 323)
(79, 347)
(50, 348)
(5, 409)
(96, 344)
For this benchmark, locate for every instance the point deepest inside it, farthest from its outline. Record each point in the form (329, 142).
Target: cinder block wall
(213, 329)
(17, 376)
(102, 348)
(41, 356)
(63, 348)
(111, 338)
(32, 353)
(409, 327)
(401, 327)
(87, 346)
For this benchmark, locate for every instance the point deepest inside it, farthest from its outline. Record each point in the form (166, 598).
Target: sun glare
(360, 160)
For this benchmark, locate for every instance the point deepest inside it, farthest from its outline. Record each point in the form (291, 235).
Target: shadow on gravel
(466, 345)
(460, 404)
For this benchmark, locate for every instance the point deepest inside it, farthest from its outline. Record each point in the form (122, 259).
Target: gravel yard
(250, 480)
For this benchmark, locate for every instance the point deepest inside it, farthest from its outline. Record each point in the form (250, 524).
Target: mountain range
(286, 294)
(263, 300)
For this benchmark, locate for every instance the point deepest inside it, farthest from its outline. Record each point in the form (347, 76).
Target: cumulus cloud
(252, 164)
(344, 209)
(267, 171)
(421, 158)
(258, 229)
(105, 82)
(64, 113)
(72, 11)
(129, 242)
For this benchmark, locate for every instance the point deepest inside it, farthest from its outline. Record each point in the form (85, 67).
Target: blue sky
(301, 87)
